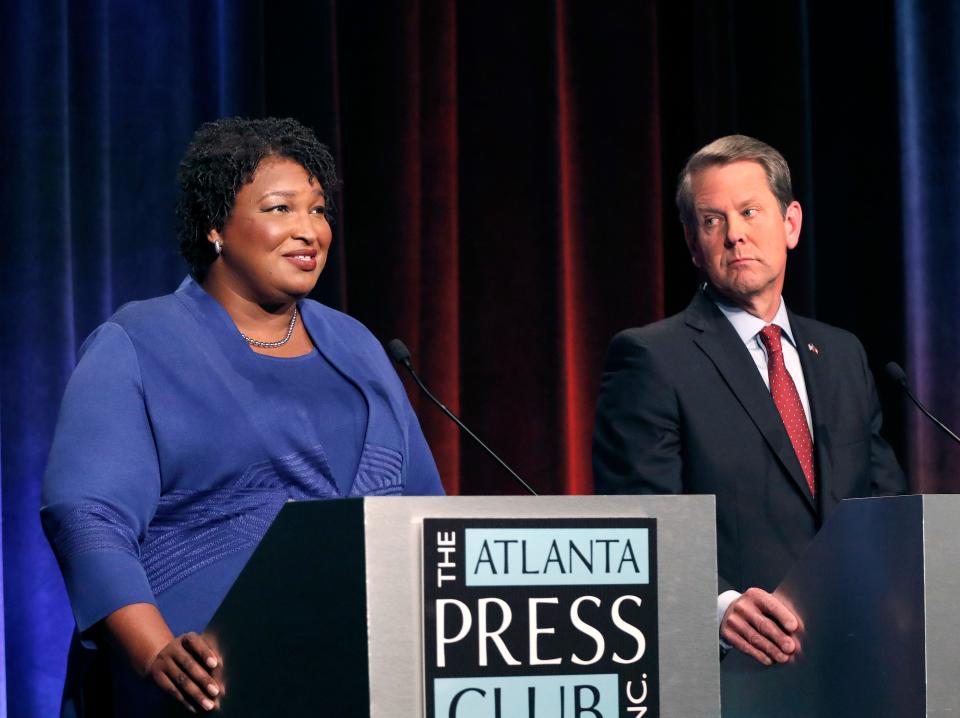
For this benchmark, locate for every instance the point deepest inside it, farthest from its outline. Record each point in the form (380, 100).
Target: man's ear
(693, 247)
(792, 221)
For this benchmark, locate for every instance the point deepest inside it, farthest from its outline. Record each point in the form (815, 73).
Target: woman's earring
(218, 246)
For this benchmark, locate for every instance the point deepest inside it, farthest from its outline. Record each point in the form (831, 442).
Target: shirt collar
(747, 325)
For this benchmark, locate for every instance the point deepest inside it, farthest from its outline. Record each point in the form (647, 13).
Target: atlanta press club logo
(540, 618)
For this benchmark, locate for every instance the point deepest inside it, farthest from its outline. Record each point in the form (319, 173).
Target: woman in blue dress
(191, 418)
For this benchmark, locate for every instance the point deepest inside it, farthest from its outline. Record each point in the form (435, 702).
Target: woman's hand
(184, 668)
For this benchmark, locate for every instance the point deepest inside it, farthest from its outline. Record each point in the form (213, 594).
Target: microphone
(896, 373)
(399, 353)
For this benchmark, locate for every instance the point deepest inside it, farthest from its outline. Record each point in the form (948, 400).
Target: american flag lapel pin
(813, 347)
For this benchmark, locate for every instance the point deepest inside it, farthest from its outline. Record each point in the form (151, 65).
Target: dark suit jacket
(683, 409)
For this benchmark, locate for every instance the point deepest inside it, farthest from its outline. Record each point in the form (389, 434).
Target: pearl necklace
(274, 345)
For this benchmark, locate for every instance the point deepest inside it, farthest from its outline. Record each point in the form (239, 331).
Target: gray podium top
(389, 581)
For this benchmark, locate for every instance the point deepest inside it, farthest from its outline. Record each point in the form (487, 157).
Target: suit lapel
(816, 380)
(720, 342)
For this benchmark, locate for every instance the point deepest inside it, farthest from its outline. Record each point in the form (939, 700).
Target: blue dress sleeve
(422, 479)
(102, 481)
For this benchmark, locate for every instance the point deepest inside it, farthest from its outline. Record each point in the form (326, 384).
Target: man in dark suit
(775, 414)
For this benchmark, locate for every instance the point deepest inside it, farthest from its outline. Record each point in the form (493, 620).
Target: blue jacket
(174, 451)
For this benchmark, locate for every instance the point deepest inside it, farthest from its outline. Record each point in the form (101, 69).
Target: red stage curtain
(503, 217)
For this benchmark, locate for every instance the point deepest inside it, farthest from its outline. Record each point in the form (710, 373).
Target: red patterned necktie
(787, 399)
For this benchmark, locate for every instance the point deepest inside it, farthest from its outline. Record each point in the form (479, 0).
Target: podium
(876, 592)
(328, 617)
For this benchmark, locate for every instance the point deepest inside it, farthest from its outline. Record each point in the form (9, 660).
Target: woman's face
(276, 239)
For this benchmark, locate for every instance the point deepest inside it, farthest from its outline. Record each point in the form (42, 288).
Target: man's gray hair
(724, 151)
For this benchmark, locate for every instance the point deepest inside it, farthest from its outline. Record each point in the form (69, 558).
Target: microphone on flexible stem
(896, 373)
(399, 353)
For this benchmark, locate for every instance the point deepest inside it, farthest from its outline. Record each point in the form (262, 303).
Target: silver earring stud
(218, 246)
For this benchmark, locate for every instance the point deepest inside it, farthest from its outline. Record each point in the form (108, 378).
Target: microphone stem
(930, 416)
(445, 410)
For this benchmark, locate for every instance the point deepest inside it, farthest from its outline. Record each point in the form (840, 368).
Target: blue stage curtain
(928, 39)
(99, 101)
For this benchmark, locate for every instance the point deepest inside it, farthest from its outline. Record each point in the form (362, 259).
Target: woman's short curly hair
(222, 157)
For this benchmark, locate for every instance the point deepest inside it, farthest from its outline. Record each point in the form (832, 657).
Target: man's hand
(184, 668)
(760, 625)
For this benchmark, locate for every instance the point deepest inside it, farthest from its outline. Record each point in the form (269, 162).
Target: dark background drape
(506, 208)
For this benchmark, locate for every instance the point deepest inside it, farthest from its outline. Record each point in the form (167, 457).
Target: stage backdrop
(507, 204)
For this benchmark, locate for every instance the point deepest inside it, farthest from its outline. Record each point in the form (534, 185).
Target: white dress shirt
(748, 329)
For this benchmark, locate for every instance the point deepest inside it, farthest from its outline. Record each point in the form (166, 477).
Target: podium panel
(876, 592)
(328, 616)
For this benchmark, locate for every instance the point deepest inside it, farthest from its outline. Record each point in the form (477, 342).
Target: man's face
(741, 238)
